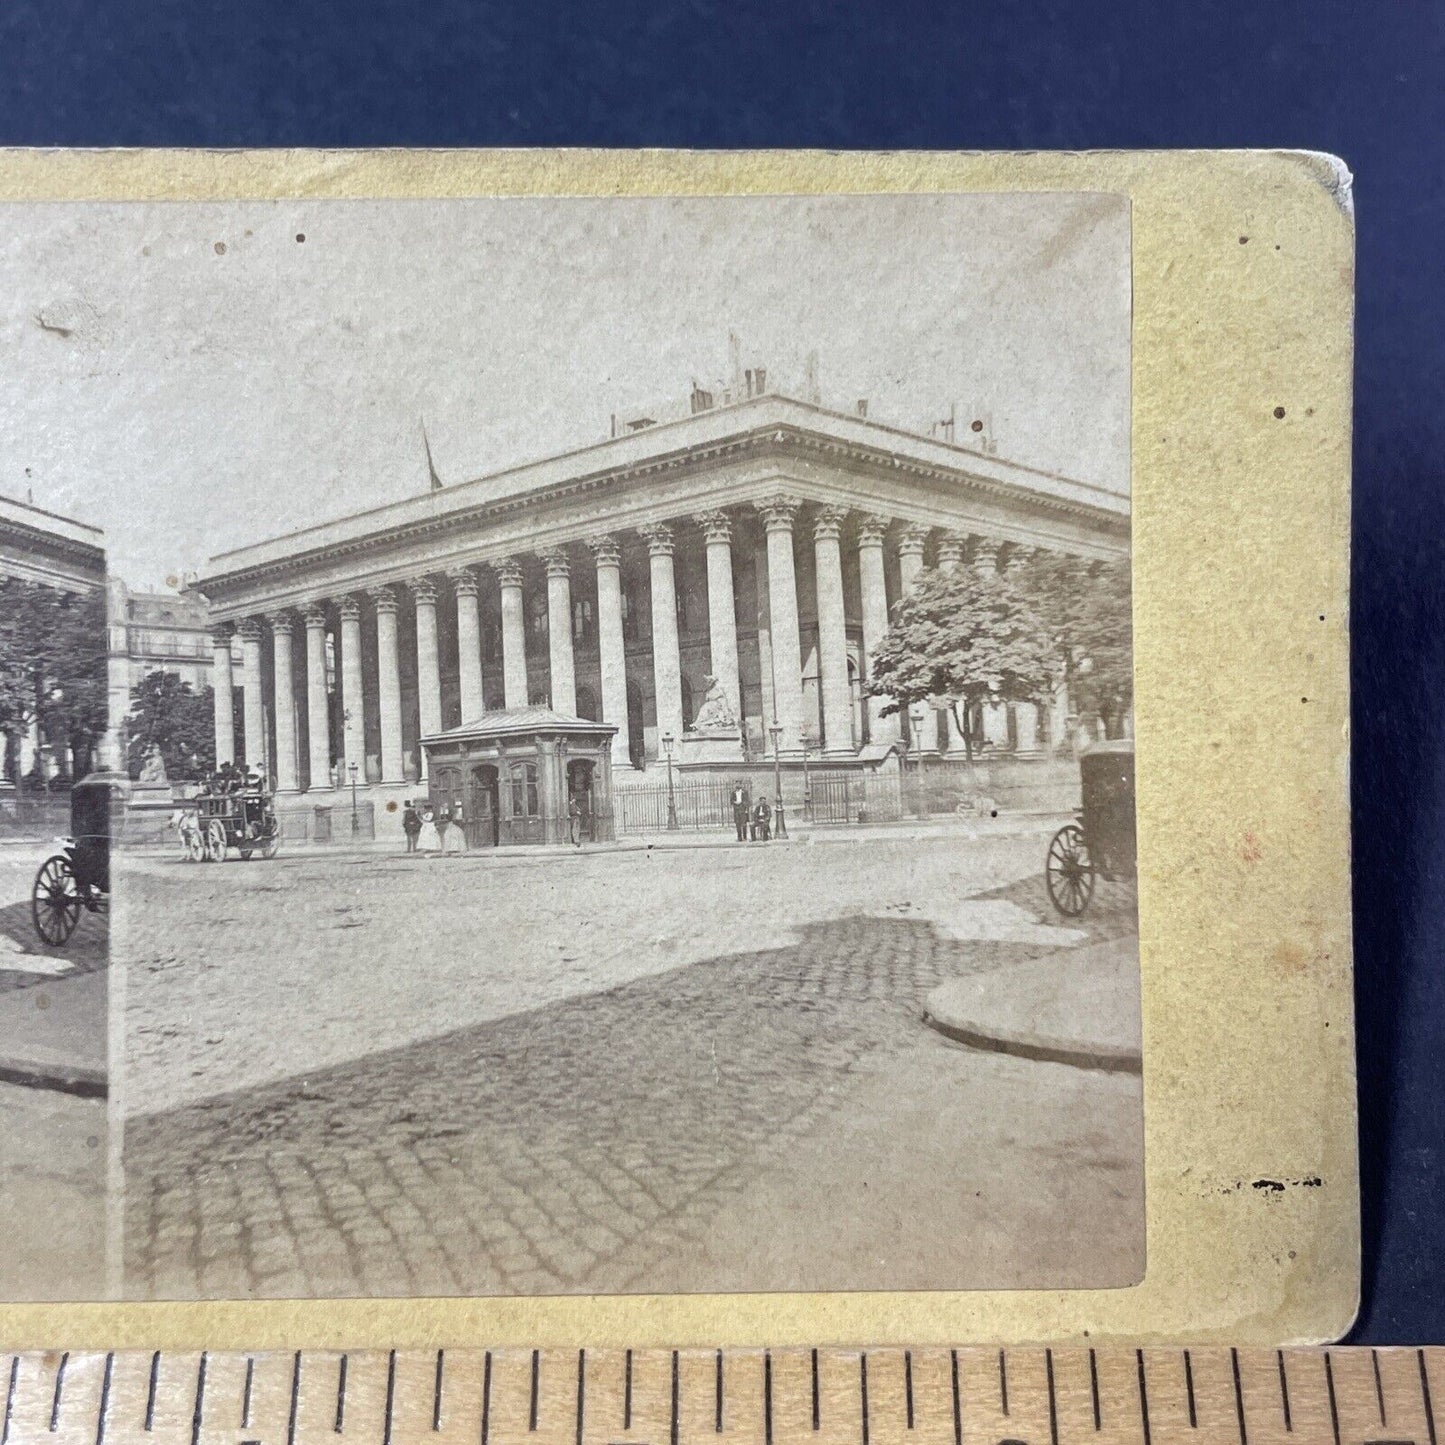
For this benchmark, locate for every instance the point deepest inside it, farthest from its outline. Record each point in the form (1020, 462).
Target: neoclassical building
(738, 562)
(44, 547)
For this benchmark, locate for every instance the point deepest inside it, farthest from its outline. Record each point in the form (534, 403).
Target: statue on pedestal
(153, 770)
(716, 713)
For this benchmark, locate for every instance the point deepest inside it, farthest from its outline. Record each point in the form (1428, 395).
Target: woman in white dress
(429, 840)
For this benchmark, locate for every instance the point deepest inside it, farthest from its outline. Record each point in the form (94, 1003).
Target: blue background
(1366, 81)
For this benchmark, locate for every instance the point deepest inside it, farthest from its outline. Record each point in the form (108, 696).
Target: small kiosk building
(514, 774)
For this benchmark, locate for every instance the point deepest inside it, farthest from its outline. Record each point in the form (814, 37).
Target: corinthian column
(428, 670)
(778, 513)
(666, 656)
(832, 632)
(559, 631)
(222, 687)
(611, 650)
(253, 709)
(910, 568)
(469, 644)
(950, 554)
(353, 702)
(514, 634)
(1026, 714)
(388, 683)
(287, 779)
(722, 622)
(318, 714)
(875, 620)
(950, 551)
(995, 710)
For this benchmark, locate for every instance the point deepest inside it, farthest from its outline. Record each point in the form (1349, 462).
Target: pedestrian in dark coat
(411, 825)
(740, 811)
(762, 821)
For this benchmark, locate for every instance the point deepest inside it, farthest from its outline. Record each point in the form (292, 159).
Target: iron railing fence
(43, 816)
(834, 797)
(699, 805)
(704, 805)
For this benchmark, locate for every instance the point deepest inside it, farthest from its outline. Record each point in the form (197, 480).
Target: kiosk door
(482, 807)
(579, 791)
(523, 804)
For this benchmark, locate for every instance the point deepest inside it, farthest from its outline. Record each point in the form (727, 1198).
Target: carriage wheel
(216, 842)
(55, 903)
(196, 846)
(1069, 872)
(269, 844)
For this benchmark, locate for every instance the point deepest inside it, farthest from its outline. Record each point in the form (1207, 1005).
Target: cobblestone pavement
(592, 1143)
(244, 974)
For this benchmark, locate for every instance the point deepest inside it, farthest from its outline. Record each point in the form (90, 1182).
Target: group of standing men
(754, 821)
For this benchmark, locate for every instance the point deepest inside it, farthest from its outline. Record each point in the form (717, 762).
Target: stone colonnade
(340, 691)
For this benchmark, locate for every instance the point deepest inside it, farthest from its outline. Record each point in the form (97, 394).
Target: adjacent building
(161, 632)
(67, 556)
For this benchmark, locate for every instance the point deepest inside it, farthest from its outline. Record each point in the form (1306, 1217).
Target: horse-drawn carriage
(79, 875)
(1101, 844)
(235, 820)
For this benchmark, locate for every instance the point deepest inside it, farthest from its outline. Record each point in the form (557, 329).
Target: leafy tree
(963, 638)
(169, 714)
(53, 655)
(1088, 610)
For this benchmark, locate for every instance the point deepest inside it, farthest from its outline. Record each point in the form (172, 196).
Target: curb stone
(1040, 1048)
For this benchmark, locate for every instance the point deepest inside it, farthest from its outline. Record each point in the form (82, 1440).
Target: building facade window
(524, 790)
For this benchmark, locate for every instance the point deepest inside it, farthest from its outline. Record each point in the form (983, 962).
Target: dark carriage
(238, 820)
(1101, 844)
(79, 875)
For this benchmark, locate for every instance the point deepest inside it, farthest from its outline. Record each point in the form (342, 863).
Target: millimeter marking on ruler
(1212, 1395)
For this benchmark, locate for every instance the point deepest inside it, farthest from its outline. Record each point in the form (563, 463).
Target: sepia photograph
(568, 746)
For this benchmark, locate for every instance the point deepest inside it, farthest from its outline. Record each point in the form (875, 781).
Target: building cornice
(75, 559)
(965, 475)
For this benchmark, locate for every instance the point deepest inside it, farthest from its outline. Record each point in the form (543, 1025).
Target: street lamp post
(780, 826)
(667, 745)
(805, 739)
(355, 821)
(915, 717)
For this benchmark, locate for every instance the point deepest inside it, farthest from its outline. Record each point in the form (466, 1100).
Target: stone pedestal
(154, 795)
(713, 745)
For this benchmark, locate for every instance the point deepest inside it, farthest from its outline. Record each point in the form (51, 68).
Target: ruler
(887, 1396)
